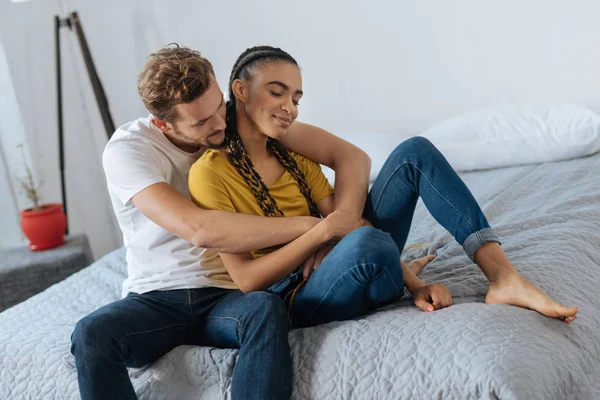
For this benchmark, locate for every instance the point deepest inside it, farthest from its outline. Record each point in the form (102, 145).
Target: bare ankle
(493, 262)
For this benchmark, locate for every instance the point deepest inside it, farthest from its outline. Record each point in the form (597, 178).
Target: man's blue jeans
(363, 271)
(140, 328)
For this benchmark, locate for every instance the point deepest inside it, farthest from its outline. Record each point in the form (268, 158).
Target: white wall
(10, 234)
(27, 33)
(394, 66)
(12, 133)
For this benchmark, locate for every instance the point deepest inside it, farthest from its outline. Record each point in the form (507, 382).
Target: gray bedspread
(548, 217)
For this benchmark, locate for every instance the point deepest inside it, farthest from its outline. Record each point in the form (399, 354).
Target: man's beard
(216, 146)
(205, 144)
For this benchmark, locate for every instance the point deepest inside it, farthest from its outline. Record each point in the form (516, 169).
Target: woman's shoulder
(211, 161)
(211, 158)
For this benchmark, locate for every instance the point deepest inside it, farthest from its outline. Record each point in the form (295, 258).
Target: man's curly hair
(171, 76)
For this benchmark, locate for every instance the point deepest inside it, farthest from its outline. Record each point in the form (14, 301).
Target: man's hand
(340, 223)
(431, 297)
(315, 260)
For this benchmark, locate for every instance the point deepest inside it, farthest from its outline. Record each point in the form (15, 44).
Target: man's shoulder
(140, 130)
(136, 136)
(134, 145)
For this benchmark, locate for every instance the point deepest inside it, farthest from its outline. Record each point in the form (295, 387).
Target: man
(175, 293)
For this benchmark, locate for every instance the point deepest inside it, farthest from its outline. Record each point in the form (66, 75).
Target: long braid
(288, 162)
(238, 155)
(242, 163)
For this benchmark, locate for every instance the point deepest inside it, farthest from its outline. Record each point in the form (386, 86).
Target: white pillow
(515, 135)
(377, 145)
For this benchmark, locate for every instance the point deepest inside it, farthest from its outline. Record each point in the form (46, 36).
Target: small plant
(28, 185)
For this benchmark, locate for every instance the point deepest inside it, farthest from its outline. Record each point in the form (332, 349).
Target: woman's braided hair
(248, 60)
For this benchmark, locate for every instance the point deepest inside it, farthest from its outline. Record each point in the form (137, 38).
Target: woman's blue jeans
(363, 271)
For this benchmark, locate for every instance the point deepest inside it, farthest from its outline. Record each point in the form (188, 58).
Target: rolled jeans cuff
(477, 239)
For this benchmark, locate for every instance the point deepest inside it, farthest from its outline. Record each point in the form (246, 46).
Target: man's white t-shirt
(137, 156)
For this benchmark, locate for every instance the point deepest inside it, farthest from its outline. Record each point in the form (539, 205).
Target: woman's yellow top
(215, 184)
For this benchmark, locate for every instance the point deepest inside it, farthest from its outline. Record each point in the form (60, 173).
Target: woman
(253, 174)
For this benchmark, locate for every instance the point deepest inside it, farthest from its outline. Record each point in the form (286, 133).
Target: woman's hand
(340, 223)
(431, 297)
(315, 260)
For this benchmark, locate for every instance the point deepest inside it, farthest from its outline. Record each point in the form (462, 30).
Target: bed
(548, 218)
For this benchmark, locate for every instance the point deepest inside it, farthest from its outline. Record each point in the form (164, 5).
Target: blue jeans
(140, 328)
(363, 271)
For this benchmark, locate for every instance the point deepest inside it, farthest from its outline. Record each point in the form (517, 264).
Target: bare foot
(418, 264)
(514, 289)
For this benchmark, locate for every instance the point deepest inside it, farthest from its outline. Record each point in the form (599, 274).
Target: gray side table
(24, 273)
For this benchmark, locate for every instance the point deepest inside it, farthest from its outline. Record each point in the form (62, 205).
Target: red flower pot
(45, 228)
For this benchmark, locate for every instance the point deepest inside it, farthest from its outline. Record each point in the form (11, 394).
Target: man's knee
(92, 333)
